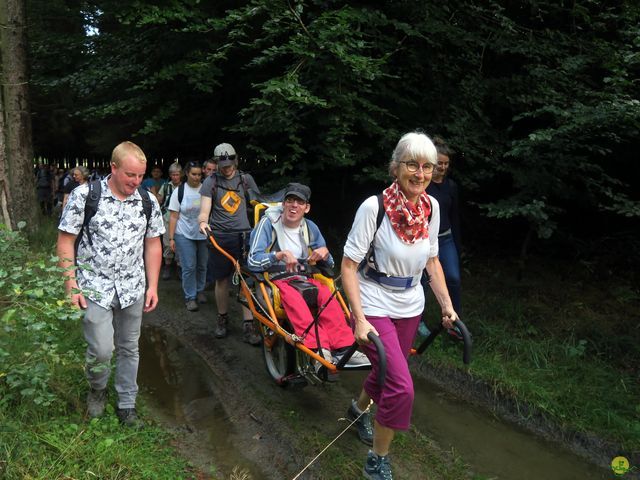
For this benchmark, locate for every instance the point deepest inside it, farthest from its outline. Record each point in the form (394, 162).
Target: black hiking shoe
(129, 418)
(362, 425)
(96, 401)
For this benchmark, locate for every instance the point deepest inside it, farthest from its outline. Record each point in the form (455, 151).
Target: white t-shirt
(189, 210)
(394, 258)
(292, 242)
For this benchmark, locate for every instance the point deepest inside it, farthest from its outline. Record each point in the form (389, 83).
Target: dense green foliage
(42, 387)
(539, 98)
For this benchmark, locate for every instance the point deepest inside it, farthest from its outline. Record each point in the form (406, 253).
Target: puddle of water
(491, 447)
(181, 388)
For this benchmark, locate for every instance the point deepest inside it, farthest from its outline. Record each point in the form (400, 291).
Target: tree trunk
(17, 155)
(5, 218)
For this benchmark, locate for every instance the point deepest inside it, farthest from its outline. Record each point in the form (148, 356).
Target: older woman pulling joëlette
(384, 291)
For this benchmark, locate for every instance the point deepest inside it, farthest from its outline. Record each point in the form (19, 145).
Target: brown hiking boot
(221, 328)
(249, 333)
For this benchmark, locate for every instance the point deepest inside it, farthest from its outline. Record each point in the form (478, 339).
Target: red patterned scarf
(408, 220)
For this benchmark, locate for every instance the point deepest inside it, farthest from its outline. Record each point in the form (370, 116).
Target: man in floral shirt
(122, 248)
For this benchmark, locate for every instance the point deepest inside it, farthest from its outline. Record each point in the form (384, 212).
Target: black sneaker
(377, 467)
(129, 417)
(96, 401)
(363, 424)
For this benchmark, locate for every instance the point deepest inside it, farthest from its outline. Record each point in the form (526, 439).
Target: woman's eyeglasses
(413, 166)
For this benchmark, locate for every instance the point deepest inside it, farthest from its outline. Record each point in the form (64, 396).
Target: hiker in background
(164, 196)
(44, 188)
(155, 181)
(381, 270)
(120, 244)
(225, 198)
(186, 239)
(79, 176)
(445, 190)
(58, 185)
(209, 166)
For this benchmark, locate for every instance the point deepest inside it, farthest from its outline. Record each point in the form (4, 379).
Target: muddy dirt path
(268, 427)
(277, 431)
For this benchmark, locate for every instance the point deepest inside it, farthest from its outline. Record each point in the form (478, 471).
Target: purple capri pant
(395, 398)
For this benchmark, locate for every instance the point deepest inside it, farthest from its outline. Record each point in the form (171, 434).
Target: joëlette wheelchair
(288, 361)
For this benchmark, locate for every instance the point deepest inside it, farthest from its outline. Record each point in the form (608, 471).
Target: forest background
(539, 99)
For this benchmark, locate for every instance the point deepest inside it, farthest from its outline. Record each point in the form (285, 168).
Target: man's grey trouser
(103, 328)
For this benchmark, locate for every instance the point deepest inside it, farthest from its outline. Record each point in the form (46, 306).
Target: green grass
(557, 343)
(43, 434)
(66, 446)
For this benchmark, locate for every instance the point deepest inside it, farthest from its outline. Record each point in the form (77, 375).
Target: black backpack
(91, 207)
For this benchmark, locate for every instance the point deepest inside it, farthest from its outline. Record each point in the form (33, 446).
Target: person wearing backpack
(111, 230)
(382, 267)
(186, 239)
(164, 197)
(225, 198)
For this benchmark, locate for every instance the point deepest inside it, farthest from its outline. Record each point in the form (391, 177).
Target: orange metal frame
(272, 321)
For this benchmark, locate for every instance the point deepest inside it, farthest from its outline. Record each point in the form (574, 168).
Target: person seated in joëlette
(285, 238)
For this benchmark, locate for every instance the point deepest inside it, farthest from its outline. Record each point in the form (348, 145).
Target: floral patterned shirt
(113, 264)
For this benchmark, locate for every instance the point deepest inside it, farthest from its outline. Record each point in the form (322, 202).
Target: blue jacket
(262, 251)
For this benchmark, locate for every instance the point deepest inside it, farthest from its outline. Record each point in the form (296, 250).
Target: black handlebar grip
(382, 358)
(468, 342)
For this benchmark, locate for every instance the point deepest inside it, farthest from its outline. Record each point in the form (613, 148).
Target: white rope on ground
(334, 440)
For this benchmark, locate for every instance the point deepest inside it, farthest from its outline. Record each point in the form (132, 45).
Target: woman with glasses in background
(185, 237)
(381, 271)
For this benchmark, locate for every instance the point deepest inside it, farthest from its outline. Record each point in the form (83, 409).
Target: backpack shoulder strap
(180, 193)
(430, 210)
(146, 203)
(91, 207)
(245, 187)
(214, 187)
(370, 256)
(381, 212)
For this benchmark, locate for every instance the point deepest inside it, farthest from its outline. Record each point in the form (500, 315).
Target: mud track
(260, 410)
